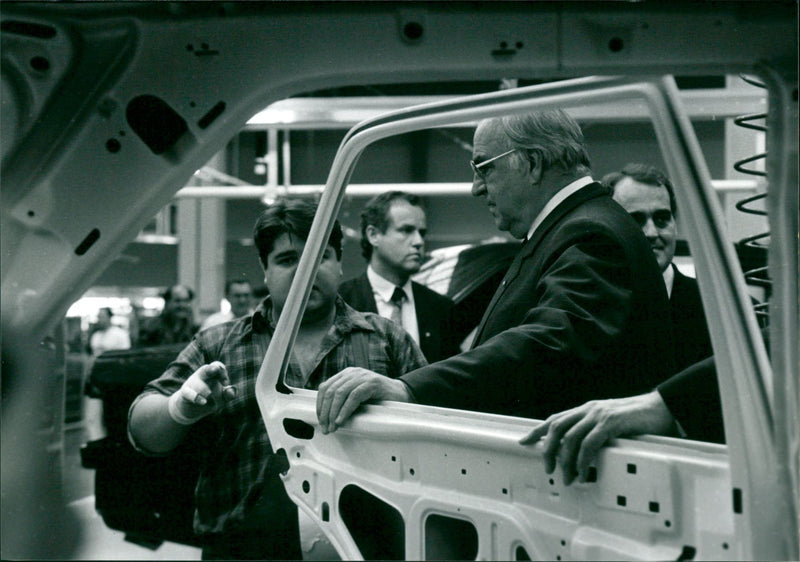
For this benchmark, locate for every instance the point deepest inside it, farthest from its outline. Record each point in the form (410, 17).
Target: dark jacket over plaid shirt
(237, 457)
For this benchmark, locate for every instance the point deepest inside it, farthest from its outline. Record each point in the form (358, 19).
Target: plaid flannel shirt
(237, 457)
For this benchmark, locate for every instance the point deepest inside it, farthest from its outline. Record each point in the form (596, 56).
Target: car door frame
(756, 487)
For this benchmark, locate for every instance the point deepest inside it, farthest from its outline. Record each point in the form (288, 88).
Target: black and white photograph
(399, 280)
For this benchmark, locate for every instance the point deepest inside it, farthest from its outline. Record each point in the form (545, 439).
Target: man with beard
(176, 322)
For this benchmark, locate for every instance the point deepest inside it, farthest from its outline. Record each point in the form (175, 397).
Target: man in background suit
(648, 196)
(239, 294)
(582, 312)
(393, 228)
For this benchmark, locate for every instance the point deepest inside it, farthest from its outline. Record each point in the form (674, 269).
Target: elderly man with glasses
(582, 312)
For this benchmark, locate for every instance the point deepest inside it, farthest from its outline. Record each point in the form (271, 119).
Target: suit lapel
(678, 284)
(365, 294)
(590, 191)
(423, 310)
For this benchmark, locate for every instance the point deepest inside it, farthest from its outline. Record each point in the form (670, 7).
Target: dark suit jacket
(437, 339)
(581, 314)
(692, 397)
(689, 328)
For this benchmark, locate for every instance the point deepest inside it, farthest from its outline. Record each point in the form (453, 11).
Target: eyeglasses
(478, 168)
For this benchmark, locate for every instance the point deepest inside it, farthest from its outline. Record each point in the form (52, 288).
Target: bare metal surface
(327, 460)
(60, 182)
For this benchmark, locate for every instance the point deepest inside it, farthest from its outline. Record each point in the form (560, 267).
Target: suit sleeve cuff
(411, 398)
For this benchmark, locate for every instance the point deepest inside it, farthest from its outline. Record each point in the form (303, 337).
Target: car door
(109, 108)
(454, 484)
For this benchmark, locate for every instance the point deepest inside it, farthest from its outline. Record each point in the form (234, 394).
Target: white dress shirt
(382, 290)
(669, 279)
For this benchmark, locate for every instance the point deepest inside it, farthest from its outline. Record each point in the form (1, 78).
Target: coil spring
(757, 244)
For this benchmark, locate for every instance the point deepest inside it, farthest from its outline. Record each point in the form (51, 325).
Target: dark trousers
(270, 532)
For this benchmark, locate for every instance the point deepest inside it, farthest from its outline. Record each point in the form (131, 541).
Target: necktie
(397, 305)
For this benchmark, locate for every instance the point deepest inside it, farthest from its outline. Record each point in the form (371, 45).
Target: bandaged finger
(193, 396)
(178, 412)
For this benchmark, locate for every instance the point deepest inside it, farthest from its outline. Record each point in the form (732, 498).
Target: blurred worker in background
(107, 335)
(242, 509)
(239, 294)
(648, 196)
(176, 322)
(393, 228)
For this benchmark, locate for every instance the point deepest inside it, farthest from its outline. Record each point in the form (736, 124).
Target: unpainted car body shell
(108, 109)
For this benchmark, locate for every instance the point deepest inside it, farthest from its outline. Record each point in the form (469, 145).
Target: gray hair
(554, 135)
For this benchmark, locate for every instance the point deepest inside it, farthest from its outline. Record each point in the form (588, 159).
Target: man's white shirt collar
(556, 200)
(382, 290)
(385, 288)
(669, 279)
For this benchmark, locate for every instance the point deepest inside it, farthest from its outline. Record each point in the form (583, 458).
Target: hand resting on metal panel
(574, 436)
(339, 396)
